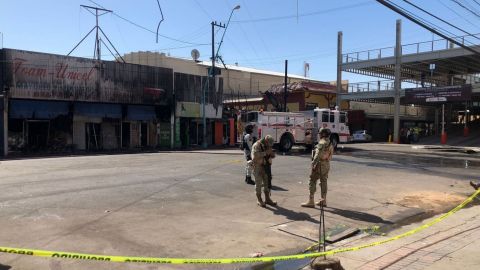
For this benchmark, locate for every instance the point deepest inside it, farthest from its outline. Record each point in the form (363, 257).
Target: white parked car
(361, 136)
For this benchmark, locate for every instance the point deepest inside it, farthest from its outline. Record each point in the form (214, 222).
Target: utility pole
(97, 40)
(211, 77)
(285, 87)
(398, 82)
(211, 73)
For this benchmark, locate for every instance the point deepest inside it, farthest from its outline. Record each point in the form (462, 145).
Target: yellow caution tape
(95, 257)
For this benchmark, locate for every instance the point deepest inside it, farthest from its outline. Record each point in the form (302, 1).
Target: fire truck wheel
(286, 143)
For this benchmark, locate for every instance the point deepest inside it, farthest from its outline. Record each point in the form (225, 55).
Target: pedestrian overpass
(437, 62)
(426, 65)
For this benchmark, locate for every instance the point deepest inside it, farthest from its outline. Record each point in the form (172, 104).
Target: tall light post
(211, 73)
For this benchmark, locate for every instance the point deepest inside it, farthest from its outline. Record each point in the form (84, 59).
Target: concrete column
(437, 122)
(339, 68)
(398, 82)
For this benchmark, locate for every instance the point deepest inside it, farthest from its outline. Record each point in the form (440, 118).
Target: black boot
(475, 185)
(248, 180)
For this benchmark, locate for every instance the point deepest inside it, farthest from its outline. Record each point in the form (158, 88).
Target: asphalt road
(196, 204)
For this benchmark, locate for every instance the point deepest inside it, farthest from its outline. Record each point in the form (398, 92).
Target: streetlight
(211, 73)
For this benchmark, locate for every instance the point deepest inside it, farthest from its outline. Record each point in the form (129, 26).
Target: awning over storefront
(101, 110)
(141, 113)
(37, 109)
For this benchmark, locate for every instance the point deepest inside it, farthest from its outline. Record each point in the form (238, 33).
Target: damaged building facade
(54, 103)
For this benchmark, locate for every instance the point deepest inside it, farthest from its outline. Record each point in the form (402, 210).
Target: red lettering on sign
(20, 69)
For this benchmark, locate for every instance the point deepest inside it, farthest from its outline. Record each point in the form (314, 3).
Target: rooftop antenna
(98, 40)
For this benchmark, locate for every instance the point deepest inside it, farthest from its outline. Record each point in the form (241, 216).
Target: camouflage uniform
(320, 167)
(261, 155)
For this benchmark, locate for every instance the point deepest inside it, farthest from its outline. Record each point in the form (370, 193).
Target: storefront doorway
(93, 136)
(144, 134)
(37, 132)
(125, 135)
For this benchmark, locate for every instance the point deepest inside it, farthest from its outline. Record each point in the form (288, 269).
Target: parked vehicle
(289, 128)
(361, 136)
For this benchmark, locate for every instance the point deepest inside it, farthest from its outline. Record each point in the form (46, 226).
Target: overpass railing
(412, 48)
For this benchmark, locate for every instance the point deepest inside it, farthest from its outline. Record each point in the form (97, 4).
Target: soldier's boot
(475, 185)
(268, 200)
(322, 201)
(259, 200)
(310, 203)
(248, 180)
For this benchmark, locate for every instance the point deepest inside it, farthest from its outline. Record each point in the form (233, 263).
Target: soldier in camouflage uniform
(262, 154)
(320, 167)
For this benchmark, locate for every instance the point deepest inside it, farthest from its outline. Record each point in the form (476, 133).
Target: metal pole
(320, 231)
(398, 62)
(97, 40)
(339, 67)
(204, 100)
(465, 129)
(443, 119)
(285, 87)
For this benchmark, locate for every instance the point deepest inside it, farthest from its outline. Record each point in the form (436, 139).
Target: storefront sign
(188, 109)
(438, 94)
(33, 75)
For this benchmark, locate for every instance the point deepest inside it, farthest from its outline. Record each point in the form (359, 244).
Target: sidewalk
(453, 243)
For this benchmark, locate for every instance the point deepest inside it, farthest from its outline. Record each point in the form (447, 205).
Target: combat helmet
(324, 133)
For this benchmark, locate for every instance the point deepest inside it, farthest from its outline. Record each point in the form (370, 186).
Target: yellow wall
(321, 100)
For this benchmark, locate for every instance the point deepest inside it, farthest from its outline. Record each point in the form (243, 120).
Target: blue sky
(263, 33)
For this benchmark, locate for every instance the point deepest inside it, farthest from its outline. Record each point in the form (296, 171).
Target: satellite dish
(195, 54)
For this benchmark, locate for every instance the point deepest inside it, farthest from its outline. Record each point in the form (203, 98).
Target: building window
(324, 116)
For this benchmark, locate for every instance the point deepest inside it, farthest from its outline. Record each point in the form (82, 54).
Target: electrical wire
(467, 9)
(458, 14)
(161, 20)
(245, 35)
(428, 23)
(319, 12)
(438, 18)
(149, 30)
(256, 30)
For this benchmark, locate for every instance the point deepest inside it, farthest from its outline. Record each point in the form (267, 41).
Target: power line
(304, 14)
(256, 29)
(426, 24)
(245, 35)
(161, 20)
(438, 18)
(149, 30)
(412, 18)
(458, 14)
(471, 6)
(464, 7)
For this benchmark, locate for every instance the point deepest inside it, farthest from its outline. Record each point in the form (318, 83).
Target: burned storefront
(189, 110)
(57, 103)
